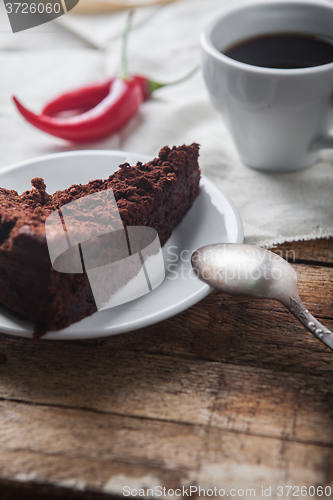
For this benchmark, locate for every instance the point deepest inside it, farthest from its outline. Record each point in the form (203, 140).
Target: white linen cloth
(164, 44)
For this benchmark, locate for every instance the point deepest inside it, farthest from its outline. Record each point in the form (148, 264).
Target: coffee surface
(283, 50)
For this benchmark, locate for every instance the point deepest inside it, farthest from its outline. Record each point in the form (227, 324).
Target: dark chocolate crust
(157, 194)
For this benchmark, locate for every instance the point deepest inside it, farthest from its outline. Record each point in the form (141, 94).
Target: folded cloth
(100, 29)
(99, 6)
(164, 45)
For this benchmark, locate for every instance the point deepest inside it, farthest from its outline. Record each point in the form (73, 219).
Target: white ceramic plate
(212, 219)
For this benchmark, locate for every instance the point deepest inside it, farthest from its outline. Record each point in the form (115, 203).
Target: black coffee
(283, 50)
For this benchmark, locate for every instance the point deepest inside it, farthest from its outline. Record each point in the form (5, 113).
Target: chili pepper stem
(124, 70)
(157, 85)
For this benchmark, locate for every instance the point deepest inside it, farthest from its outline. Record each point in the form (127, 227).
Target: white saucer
(212, 219)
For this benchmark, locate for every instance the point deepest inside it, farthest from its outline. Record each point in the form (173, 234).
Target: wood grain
(232, 393)
(315, 251)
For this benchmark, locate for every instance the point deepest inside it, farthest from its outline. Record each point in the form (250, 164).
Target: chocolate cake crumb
(38, 183)
(39, 330)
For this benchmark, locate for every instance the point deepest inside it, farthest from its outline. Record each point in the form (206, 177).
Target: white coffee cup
(278, 118)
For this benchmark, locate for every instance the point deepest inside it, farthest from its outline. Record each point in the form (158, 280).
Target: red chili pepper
(84, 98)
(92, 94)
(107, 117)
(108, 105)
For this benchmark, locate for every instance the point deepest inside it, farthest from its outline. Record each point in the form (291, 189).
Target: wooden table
(232, 393)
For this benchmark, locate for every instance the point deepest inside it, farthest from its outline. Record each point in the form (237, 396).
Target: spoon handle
(310, 322)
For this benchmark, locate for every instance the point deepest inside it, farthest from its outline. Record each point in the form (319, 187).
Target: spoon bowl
(251, 271)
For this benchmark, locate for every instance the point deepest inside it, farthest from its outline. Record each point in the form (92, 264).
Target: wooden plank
(107, 380)
(246, 399)
(103, 452)
(317, 251)
(74, 433)
(10, 490)
(292, 407)
(85, 450)
(247, 462)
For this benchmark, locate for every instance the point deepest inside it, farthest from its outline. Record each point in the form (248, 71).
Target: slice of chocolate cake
(157, 194)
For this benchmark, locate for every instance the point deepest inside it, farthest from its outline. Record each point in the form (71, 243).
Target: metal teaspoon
(255, 272)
